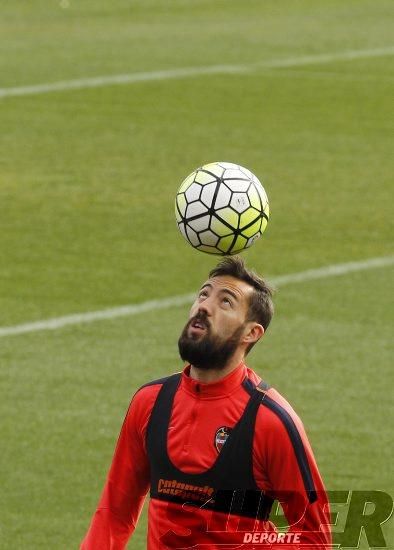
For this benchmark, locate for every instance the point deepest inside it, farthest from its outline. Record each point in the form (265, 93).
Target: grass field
(87, 182)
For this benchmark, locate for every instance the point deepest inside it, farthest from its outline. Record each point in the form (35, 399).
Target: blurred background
(105, 107)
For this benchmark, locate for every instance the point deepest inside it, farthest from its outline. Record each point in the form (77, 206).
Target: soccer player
(214, 444)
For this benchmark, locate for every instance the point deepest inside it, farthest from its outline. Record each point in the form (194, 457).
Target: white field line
(184, 299)
(131, 78)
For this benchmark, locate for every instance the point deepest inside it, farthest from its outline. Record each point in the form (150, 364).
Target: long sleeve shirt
(199, 410)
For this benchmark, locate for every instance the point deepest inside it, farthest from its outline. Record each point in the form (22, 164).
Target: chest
(198, 429)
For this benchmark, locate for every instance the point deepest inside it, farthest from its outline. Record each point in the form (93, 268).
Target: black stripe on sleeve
(297, 444)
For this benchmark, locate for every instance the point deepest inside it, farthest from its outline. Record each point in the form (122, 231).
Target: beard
(208, 352)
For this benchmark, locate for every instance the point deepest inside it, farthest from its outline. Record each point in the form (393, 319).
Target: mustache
(200, 317)
(209, 351)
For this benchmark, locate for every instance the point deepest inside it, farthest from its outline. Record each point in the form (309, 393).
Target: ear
(254, 332)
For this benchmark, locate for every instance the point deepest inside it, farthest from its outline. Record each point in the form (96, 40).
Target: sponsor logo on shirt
(184, 490)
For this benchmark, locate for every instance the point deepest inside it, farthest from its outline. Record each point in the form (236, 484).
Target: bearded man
(214, 445)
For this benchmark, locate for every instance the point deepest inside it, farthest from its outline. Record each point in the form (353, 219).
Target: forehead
(240, 289)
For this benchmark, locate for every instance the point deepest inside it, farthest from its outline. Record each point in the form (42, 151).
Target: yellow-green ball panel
(214, 168)
(204, 177)
(248, 217)
(228, 215)
(208, 249)
(186, 182)
(254, 197)
(239, 245)
(263, 195)
(252, 230)
(219, 228)
(264, 223)
(181, 201)
(225, 243)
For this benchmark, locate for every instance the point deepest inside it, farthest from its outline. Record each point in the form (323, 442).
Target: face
(217, 323)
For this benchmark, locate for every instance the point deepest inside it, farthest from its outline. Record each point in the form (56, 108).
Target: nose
(205, 307)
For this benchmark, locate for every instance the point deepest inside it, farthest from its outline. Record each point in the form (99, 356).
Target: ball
(221, 208)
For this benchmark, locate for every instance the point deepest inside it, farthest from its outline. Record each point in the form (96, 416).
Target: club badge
(221, 436)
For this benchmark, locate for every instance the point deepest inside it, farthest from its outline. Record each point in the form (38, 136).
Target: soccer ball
(221, 208)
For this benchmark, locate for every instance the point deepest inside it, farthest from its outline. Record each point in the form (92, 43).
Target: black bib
(229, 485)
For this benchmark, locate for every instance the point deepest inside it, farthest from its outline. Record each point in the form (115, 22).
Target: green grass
(87, 182)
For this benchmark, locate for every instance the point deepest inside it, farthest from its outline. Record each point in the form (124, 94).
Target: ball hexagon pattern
(221, 208)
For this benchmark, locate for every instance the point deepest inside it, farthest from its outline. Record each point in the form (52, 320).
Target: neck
(205, 376)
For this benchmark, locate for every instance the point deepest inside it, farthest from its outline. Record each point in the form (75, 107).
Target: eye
(227, 301)
(202, 294)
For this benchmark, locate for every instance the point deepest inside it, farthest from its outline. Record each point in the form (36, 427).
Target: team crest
(221, 437)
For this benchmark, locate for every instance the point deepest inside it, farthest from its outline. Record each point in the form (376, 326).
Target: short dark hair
(261, 307)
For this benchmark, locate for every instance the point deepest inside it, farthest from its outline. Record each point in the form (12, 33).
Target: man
(214, 444)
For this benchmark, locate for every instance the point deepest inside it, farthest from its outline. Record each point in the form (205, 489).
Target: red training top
(199, 411)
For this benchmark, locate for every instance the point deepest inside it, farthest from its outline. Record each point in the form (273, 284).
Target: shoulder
(145, 397)
(275, 411)
(282, 444)
(274, 407)
(272, 400)
(153, 387)
(160, 381)
(141, 405)
(277, 424)
(280, 408)
(277, 418)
